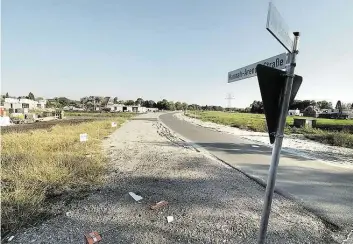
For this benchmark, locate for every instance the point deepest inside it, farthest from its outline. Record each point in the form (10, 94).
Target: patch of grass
(254, 122)
(324, 122)
(257, 122)
(40, 164)
(341, 139)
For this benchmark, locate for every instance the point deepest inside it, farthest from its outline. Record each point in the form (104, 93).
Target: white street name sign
(278, 28)
(278, 62)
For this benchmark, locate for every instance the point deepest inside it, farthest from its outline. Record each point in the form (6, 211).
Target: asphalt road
(325, 189)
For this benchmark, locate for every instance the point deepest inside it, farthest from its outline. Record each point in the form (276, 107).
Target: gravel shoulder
(210, 202)
(295, 144)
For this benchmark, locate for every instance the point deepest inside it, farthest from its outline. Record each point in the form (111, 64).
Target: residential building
(295, 112)
(311, 111)
(14, 105)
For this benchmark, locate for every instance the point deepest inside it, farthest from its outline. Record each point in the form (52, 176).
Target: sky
(179, 50)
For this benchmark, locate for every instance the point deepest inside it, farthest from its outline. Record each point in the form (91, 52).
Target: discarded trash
(10, 239)
(135, 197)
(170, 219)
(159, 205)
(114, 124)
(95, 237)
(83, 137)
(254, 146)
(92, 238)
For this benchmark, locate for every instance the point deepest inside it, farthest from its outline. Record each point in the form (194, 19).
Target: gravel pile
(210, 203)
(295, 144)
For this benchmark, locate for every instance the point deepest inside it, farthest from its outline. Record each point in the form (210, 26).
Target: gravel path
(295, 144)
(210, 202)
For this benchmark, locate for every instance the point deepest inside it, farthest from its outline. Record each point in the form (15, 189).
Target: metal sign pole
(276, 151)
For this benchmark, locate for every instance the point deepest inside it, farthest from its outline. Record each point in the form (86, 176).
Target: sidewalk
(210, 202)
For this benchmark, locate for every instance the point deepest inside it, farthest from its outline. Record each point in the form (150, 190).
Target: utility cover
(272, 83)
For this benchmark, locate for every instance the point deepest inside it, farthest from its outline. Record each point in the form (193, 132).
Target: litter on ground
(92, 238)
(135, 197)
(159, 205)
(170, 219)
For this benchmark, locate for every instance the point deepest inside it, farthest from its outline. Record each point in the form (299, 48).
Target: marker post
(276, 151)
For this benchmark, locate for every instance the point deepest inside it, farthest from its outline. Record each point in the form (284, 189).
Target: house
(336, 114)
(14, 105)
(125, 108)
(152, 109)
(295, 112)
(311, 111)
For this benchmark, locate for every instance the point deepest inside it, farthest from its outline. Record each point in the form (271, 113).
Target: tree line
(257, 106)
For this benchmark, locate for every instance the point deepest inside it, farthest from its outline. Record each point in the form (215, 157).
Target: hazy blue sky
(179, 50)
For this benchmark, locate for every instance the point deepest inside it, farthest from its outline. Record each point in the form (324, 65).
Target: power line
(230, 97)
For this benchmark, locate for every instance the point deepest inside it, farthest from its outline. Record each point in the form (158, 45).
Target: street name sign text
(277, 62)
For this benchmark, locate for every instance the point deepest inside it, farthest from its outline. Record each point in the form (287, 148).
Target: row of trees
(257, 106)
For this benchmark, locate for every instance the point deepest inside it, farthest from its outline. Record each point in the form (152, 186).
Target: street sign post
(278, 28)
(276, 91)
(276, 150)
(278, 62)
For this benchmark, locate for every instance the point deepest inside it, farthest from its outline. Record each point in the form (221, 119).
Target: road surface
(325, 189)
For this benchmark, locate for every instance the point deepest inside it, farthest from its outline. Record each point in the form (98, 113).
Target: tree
(257, 107)
(184, 106)
(324, 104)
(115, 100)
(149, 104)
(178, 106)
(139, 101)
(7, 95)
(129, 102)
(338, 104)
(171, 106)
(162, 105)
(194, 107)
(31, 96)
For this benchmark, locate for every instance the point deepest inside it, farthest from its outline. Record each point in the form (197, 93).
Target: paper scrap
(10, 239)
(170, 219)
(83, 137)
(135, 197)
(254, 146)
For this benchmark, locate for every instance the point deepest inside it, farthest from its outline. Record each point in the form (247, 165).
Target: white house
(295, 112)
(125, 108)
(23, 103)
